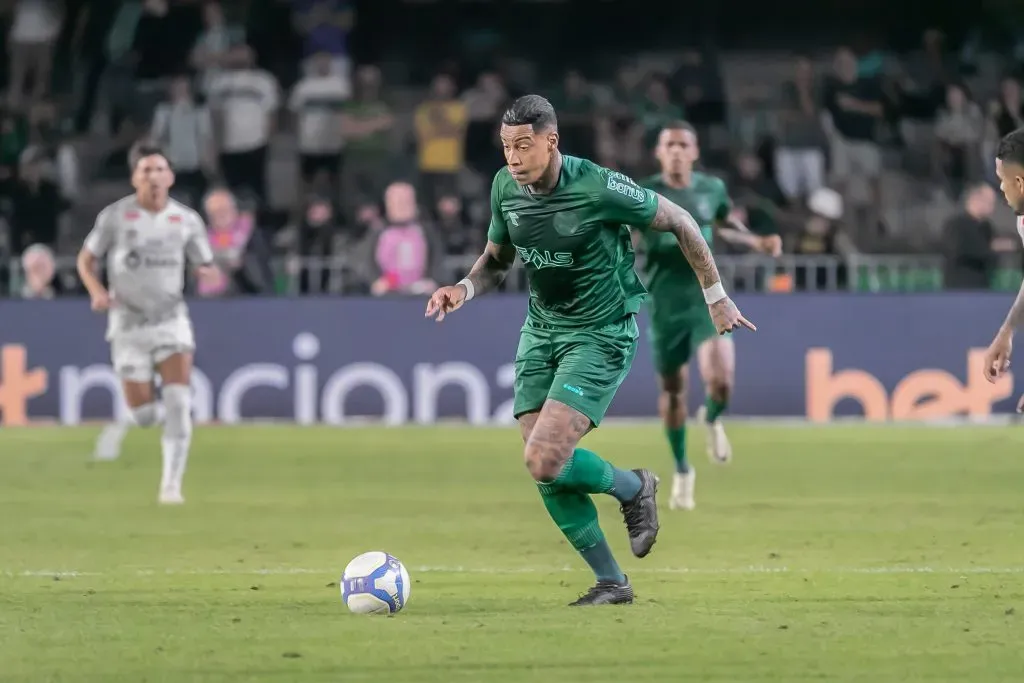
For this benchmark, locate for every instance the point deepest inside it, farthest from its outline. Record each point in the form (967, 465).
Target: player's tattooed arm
(672, 218)
(1015, 318)
(490, 269)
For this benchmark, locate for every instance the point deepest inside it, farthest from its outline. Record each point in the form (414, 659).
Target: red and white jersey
(146, 255)
(1020, 227)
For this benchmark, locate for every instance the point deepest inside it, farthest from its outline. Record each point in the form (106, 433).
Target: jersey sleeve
(622, 201)
(723, 203)
(497, 231)
(101, 238)
(197, 244)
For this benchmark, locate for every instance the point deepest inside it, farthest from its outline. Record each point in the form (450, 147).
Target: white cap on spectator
(827, 203)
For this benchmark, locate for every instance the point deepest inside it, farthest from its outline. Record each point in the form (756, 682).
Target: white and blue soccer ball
(375, 583)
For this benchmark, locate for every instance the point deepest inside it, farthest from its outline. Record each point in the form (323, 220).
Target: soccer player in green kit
(566, 219)
(680, 325)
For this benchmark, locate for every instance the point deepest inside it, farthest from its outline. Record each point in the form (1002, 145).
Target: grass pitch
(843, 554)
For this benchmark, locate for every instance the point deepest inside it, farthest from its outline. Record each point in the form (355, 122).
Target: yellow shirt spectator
(441, 134)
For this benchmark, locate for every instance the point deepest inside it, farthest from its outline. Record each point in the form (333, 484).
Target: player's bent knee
(543, 464)
(178, 406)
(720, 387)
(146, 415)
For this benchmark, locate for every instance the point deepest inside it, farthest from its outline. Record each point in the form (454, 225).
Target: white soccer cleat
(682, 491)
(171, 495)
(108, 445)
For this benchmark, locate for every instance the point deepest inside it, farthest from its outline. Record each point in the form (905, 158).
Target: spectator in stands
(800, 151)
(39, 267)
(970, 243)
(184, 130)
(317, 102)
(656, 109)
(401, 249)
(13, 141)
(757, 193)
(325, 26)
(90, 47)
(959, 127)
(485, 103)
(1006, 114)
(163, 40)
(441, 138)
(36, 205)
(698, 85)
(239, 249)
(368, 125)
(928, 71)
(619, 136)
(452, 230)
(319, 238)
(855, 107)
(212, 49)
(244, 100)
(31, 40)
(820, 233)
(576, 110)
(52, 150)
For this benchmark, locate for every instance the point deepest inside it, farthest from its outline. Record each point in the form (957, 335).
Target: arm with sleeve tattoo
(997, 356)
(678, 221)
(1015, 317)
(490, 269)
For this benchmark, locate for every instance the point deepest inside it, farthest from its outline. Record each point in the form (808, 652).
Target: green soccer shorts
(580, 368)
(675, 341)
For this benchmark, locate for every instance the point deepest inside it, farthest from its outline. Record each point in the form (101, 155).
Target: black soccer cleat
(606, 593)
(641, 514)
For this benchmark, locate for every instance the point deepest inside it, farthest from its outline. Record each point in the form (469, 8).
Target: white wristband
(714, 293)
(470, 290)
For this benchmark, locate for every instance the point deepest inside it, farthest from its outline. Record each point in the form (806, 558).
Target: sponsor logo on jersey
(625, 187)
(545, 259)
(131, 215)
(513, 218)
(174, 218)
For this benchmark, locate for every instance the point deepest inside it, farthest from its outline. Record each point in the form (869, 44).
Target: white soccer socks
(176, 441)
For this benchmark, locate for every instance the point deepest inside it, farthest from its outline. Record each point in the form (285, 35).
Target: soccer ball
(375, 583)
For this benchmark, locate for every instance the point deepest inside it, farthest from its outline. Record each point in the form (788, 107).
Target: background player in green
(566, 219)
(680, 325)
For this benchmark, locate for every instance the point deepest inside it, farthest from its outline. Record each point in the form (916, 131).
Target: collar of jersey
(561, 182)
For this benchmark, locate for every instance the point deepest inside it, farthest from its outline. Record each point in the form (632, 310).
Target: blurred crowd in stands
(317, 174)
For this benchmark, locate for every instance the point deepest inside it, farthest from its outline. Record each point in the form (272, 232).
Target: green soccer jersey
(574, 242)
(675, 290)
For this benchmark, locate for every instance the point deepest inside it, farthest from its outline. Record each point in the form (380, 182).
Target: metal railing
(341, 275)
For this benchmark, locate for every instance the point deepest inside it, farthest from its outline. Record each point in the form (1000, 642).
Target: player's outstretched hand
(997, 356)
(445, 300)
(727, 317)
(100, 301)
(771, 244)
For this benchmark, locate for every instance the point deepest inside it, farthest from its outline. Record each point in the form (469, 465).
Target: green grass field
(837, 554)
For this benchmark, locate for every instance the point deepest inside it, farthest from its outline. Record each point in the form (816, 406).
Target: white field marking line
(292, 571)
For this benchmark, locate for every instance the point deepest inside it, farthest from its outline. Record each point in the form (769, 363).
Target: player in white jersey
(148, 239)
(1010, 170)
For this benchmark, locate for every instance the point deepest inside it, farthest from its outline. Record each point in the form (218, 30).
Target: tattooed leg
(526, 424)
(565, 483)
(566, 475)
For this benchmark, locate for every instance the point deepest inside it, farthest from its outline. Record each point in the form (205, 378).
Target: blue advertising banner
(320, 360)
